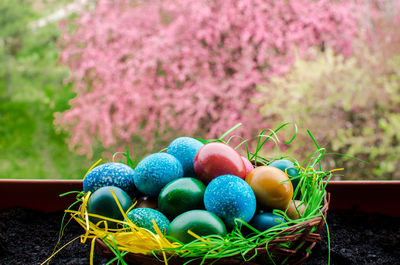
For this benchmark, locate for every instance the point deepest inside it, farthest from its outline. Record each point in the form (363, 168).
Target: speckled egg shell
(185, 150)
(155, 171)
(230, 197)
(143, 217)
(110, 174)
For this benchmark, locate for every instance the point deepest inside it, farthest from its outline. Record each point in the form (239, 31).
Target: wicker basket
(300, 235)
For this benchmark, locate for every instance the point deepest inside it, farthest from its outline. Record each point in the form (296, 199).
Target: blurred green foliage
(351, 105)
(32, 88)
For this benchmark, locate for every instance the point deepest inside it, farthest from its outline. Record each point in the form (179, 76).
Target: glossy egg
(265, 181)
(181, 195)
(287, 167)
(230, 197)
(295, 209)
(216, 159)
(147, 202)
(264, 221)
(110, 174)
(143, 217)
(185, 150)
(200, 222)
(155, 171)
(102, 202)
(248, 165)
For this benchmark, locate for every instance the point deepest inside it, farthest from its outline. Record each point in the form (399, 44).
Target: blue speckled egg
(143, 217)
(287, 167)
(155, 171)
(230, 197)
(110, 174)
(185, 150)
(264, 221)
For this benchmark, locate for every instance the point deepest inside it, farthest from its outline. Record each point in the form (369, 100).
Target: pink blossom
(190, 66)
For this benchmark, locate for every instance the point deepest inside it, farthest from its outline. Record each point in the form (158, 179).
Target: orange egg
(295, 208)
(270, 193)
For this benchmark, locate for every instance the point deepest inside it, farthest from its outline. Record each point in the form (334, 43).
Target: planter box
(358, 235)
(43, 195)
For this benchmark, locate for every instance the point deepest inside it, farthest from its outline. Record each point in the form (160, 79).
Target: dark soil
(28, 237)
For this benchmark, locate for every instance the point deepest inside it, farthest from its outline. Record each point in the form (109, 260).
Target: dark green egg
(181, 195)
(200, 222)
(102, 202)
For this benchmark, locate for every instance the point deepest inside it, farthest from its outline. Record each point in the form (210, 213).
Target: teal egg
(102, 202)
(155, 171)
(200, 222)
(265, 221)
(288, 167)
(143, 217)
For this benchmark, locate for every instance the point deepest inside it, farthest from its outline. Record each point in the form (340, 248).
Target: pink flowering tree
(187, 66)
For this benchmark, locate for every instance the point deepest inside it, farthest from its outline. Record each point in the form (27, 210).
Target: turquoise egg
(155, 171)
(230, 197)
(143, 217)
(102, 202)
(185, 150)
(264, 221)
(110, 174)
(288, 167)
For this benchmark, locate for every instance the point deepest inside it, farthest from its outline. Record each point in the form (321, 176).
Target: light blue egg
(143, 217)
(155, 171)
(110, 174)
(230, 197)
(185, 150)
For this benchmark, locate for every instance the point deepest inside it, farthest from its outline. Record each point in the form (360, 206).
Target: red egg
(216, 159)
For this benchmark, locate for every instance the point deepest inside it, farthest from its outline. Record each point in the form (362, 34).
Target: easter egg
(143, 217)
(248, 165)
(216, 159)
(200, 222)
(147, 202)
(287, 167)
(155, 171)
(230, 197)
(266, 182)
(181, 195)
(102, 202)
(295, 209)
(185, 150)
(264, 221)
(110, 174)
